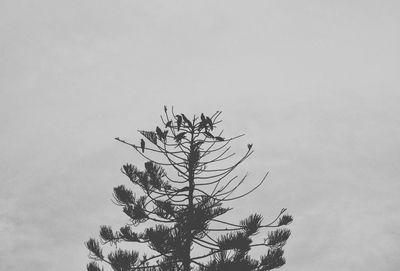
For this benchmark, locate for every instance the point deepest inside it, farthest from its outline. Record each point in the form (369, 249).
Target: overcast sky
(313, 84)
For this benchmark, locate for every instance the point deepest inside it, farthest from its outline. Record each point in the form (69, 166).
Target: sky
(314, 85)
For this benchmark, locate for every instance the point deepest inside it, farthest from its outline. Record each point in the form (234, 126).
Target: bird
(203, 123)
(179, 121)
(202, 117)
(164, 134)
(142, 144)
(210, 123)
(186, 120)
(159, 133)
(179, 137)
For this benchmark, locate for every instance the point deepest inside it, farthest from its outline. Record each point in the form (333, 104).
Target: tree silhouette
(183, 204)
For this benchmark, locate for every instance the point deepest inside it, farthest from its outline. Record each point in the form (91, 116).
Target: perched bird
(202, 117)
(186, 120)
(219, 138)
(179, 137)
(159, 133)
(164, 134)
(179, 121)
(203, 123)
(210, 123)
(142, 144)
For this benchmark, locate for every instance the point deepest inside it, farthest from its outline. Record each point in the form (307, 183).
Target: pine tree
(183, 203)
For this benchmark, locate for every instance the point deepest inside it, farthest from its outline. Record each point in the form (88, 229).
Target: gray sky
(313, 84)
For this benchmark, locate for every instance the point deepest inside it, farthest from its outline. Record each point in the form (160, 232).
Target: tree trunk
(189, 237)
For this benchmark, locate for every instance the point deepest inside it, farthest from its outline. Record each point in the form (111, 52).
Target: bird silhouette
(159, 133)
(142, 144)
(210, 123)
(202, 117)
(186, 120)
(179, 121)
(179, 137)
(203, 123)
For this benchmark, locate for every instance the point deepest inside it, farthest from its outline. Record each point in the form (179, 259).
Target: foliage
(183, 210)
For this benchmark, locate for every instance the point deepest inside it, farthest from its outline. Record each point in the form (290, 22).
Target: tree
(183, 203)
